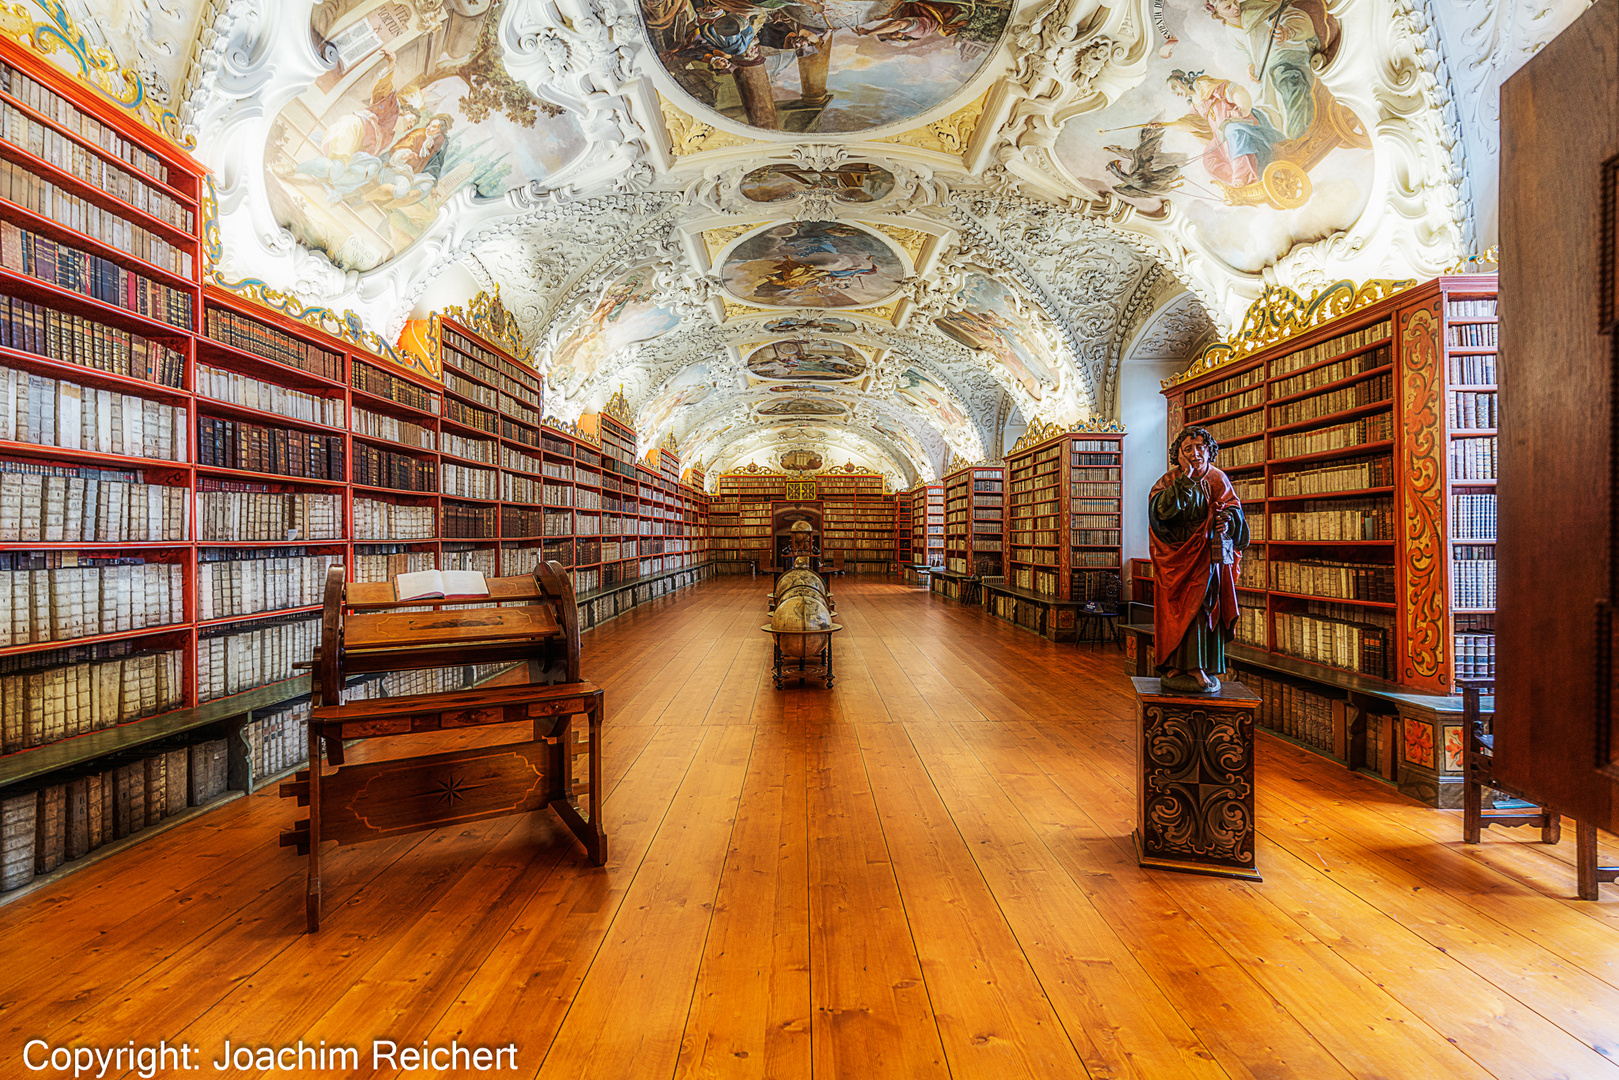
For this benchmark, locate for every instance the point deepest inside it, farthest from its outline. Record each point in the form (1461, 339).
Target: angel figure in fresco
(1282, 39)
(1238, 142)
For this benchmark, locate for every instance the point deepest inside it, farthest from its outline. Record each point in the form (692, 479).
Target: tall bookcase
(1065, 513)
(974, 520)
(179, 467)
(860, 520)
(857, 516)
(903, 525)
(1363, 447)
(927, 523)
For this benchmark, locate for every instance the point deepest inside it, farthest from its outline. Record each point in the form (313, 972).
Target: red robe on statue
(1181, 572)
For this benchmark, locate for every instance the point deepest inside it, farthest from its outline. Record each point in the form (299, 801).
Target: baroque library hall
(915, 539)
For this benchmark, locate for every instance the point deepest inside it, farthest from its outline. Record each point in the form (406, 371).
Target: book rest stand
(361, 633)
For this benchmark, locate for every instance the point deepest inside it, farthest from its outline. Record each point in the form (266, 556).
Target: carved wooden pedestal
(1195, 780)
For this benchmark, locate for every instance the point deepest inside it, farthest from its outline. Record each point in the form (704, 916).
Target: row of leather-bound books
(66, 819)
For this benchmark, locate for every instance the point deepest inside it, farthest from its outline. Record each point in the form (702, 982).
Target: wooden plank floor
(925, 872)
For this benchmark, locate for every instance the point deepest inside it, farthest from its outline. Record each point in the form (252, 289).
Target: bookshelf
(974, 525)
(927, 518)
(858, 517)
(1065, 513)
(859, 522)
(903, 525)
(1064, 507)
(1364, 448)
(179, 467)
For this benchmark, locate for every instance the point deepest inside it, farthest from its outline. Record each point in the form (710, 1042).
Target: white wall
(1146, 448)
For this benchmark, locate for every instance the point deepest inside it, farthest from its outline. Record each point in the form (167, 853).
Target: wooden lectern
(1195, 780)
(362, 632)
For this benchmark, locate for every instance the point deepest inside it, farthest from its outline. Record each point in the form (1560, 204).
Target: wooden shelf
(65, 753)
(1419, 446)
(214, 407)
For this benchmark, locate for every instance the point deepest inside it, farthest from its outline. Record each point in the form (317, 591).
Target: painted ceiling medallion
(819, 264)
(833, 66)
(809, 324)
(821, 361)
(855, 182)
(418, 109)
(1236, 127)
(803, 407)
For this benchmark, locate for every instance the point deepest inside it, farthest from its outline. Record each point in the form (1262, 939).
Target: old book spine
(157, 787)
(50, 828)
(123, 813)
(77, 842)
(17, 840)
(176, 775)
(94, 821)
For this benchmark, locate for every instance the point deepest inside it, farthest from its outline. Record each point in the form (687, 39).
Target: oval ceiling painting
(805, 67)
(822, 361)
(809, 324)
(818, 264)
(855, 182)
(418, 109)
(804, 388)
(803, 407)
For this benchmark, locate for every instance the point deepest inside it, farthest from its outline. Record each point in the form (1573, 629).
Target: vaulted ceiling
(886, 231)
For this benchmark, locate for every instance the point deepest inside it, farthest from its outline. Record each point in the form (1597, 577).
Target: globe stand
(809, 664)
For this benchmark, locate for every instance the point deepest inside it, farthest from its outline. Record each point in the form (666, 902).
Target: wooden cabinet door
(1555, 739)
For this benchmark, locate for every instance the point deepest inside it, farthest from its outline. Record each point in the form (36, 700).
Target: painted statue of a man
(1198, 533)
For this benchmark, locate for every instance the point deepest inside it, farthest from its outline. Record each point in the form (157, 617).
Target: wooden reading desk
(363, 632)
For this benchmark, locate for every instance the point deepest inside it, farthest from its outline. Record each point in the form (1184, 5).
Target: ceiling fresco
(818, 360)
(879, 231)
(417, 108)
(1237, 128)
(816, 264)
(822, 68)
